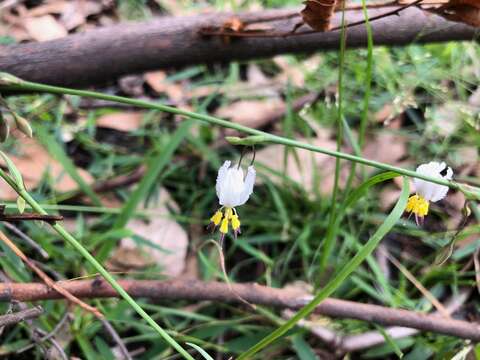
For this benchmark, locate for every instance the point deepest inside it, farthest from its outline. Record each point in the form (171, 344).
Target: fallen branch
(343, 344)
(256, 294)
(103, 54)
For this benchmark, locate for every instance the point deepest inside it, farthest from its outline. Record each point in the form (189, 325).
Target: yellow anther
(235, 222)
(224, 226)
(228, 213)
(418, 205)
(216, 218)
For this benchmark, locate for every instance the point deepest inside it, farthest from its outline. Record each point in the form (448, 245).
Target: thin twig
(54, 285)
(115, 337)
(27, 239)
(15, 318)
(343, 344)
(380, 16)
(45, 278)
(476, 263)
(49, 335)
(256, 34)
(427, 294)
(254, 293)
(51, 219)
(33, 330)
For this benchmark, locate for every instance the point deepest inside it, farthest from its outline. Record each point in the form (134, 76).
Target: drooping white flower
(233, 189)
(427, 191)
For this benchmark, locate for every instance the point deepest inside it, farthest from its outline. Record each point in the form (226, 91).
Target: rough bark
(103, 54)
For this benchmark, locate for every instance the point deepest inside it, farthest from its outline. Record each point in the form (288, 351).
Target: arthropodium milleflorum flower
(426, 191)
(233, 189)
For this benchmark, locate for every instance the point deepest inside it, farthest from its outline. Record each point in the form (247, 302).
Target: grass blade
(60, 155)
(156, 164)
(200, 350)
(350, 267)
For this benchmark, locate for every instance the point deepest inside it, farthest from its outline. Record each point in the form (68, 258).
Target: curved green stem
(6, 83)
(106, 275)
(328, 244)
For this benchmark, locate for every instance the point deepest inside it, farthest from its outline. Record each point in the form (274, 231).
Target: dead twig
(115, 337)
(49, 335)
(256, 34)
(27, 239)
(256, 294)
(15, 318)
(68, 295)
(47, 280)
(380, 16)
(343, 344)
(427, 294)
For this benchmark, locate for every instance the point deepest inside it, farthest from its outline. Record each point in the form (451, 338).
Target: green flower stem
(7, 83)
(109, 278)
(328, 245)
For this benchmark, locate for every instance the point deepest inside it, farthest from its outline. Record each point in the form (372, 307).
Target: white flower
(427, 191)
(430, 191)
(233, 189)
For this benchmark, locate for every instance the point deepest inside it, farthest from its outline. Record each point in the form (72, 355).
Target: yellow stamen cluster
(418, 205)
(223, 219)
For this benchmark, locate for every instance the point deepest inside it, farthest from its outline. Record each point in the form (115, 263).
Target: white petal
(430, 191)
(439, 193)
(248, 186)
(221, 176)
(231, 187)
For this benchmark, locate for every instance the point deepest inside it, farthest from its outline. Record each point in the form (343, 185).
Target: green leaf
(350, 201)
(341, 276)
(4, 128)
(303, 349)
(200, 350)
(22, 124)
(12, 169)
(21, 204)
(390, 341)
(246, 141)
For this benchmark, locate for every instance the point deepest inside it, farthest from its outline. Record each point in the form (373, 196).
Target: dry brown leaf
(389, 117)
(386, 147)
(73, 13)
(163, 232)
(32, 162)
(44, 28)
(251, 113)
(233, 24)
(76, 13)
(48, 8)
(444, 120)
(464, 11)
(17, 32)
(303, 171)
(157, 80)
(318, 13)
(121, 121)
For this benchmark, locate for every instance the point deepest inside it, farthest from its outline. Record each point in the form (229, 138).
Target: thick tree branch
(256, 294)
(103, 54)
